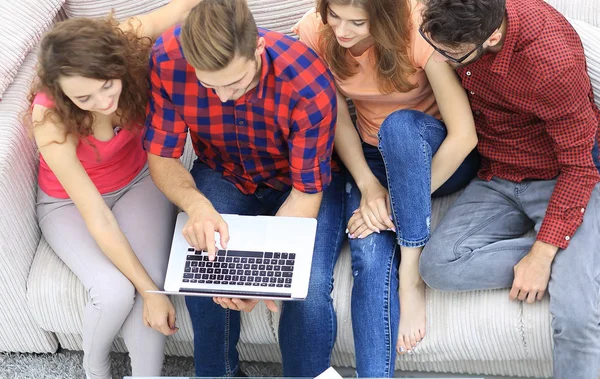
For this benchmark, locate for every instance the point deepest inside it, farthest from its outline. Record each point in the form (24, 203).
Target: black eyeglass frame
(445, 54)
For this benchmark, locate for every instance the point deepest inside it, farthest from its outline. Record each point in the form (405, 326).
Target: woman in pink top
(97, 206)
(399, 154)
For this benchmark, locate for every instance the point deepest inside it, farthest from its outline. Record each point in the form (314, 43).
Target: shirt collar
(502, 60)
(261, 88)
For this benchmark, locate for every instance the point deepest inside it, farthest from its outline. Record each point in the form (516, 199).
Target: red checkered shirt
(279, 134)
(535, 113)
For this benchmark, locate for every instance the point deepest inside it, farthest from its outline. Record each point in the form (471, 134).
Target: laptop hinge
(229, 293)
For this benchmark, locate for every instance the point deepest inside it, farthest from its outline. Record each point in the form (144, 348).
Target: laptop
(267, 257)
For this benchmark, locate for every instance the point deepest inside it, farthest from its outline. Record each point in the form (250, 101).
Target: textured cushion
(22, 24)
(271, 14)
(590, 38)
(101, 8)
(57, 298)
(583, 10)
(279, 15)
(19, 233)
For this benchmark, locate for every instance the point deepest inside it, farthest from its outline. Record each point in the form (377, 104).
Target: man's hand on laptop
(200, 229)
(244, 305)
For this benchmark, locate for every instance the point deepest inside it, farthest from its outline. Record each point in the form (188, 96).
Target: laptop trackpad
(245, 235)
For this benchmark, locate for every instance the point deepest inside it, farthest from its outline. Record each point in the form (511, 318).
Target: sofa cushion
(271, 14)
(19, 233)
(57, 299)
(583, 10)
(22, 24)
(279, 15)
(101, 8)
(590, 38)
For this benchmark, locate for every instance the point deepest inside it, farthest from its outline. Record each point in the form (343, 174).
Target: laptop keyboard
(240, 268)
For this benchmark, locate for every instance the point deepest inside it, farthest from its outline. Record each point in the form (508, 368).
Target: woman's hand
(374, 213)
(159, 313)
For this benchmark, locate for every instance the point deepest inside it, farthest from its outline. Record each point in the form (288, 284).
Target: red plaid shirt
(535, 113)
(279, 134)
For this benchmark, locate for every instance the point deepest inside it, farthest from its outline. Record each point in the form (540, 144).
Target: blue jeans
(307, 328)
(479, 241)
(402, 163)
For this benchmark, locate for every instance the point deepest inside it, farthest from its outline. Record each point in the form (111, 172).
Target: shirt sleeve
(165, 131)
(307, 29)
(566, 108)
(421, 49)
(311, 142)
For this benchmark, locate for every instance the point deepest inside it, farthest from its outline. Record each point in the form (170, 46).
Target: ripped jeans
(402, 163)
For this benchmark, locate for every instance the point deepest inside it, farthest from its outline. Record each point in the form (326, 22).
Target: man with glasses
(524, 70)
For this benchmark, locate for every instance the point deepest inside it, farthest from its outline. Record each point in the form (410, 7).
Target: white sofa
(41, 301)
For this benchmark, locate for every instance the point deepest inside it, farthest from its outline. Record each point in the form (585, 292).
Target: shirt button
(472, 93)
(241, 122)
(582, 210)
(567, 238)
(468, 73)
(477, 113)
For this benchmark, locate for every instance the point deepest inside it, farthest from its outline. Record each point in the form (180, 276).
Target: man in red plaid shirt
(261, 109)
(524, 70)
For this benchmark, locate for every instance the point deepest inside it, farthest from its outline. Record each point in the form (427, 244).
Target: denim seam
(339, 238)
(520, 189)
(389, 342)
(228, 372)
(387, 174)
(419, 243)
(472, 231)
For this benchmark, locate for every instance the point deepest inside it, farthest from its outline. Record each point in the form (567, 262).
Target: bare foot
(412, 317)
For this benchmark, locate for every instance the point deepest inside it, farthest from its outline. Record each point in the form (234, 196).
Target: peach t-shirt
(372, 107)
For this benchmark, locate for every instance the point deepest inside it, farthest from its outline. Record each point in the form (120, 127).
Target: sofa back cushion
(101, 8)
(22, 24)
(590, 38)
(583, 10)
(271, 14)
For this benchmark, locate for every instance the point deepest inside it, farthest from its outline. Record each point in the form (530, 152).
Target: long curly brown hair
(390, 25)
(95, 49)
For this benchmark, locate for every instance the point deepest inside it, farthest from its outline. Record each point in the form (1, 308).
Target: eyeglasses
(447, 55)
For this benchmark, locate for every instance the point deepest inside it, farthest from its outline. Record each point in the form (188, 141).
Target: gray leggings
(147, 219)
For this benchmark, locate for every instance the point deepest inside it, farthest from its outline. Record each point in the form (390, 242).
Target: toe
(413, 341)
(418, 336)
(422, 333)
(401, 346)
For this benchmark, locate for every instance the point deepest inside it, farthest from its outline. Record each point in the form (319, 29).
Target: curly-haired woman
(97, 206)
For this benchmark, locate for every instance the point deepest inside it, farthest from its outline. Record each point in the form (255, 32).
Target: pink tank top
(111, 165)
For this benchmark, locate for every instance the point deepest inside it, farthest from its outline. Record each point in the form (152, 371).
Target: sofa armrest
(19, 232)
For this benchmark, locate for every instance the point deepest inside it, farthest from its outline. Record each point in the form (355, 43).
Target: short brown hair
(390, 25)
(215, 31)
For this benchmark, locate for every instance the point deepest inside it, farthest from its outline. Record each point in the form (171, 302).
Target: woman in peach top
(398, 155)
(97, 206)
